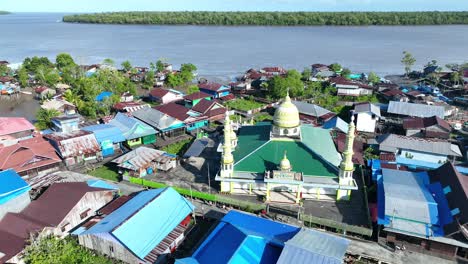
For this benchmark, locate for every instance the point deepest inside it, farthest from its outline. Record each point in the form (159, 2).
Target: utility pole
(209, 180)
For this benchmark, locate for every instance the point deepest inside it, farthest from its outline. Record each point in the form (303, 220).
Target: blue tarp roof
(131, 127)
(310, 246)
(103, 95)
(104, 132)
(243, 238)
(11, 185)
(101, 184)
(145, 220)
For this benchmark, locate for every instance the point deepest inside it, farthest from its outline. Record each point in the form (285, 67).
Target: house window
(111, 249)
(447, 189)
(64, 227)
(455, 211)
(84, 214)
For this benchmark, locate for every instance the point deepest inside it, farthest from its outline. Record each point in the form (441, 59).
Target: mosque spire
(347, 162)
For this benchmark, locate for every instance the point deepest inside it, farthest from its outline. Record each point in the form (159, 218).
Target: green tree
(64, 60)
(279, 85)
(455, 78)
(373, 78)
(306, 73)
(53, 250)
(335, 67)
(44, 118)
(174, 80)
(31, 64)
(408, 61)
(23, 76)
(346, 73)
(4, 70)
(431, 63)
(108, 62)
(126, 66)
(160, 66)
(192, 89)
(148, 82)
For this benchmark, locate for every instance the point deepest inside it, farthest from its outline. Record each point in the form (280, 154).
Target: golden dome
(286, 115)
(285, 165)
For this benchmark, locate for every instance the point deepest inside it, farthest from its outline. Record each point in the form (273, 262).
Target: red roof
(158, 92)
(210, 86)
(414, 93)
(385, 156)
(205, 107)
(175, 110)
(228, 97)
(197, 95)
(420, 123)
(392, 92)
(279, 70)
(121, 106)
(11, 125)
(40, 89)
(28, 154)
(114, 205)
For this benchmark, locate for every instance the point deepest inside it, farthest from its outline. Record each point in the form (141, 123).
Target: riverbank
(272, 18)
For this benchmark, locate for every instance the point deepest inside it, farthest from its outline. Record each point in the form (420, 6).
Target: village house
(394, 95)
(192, 119)
(425, 211)
(126, 97)
(212, 109)
(61, 208)
(244, 238)
(66, 124)
(109, 137)
(14, 193)
(381, 86)
(145, 229)
(321, 71)
(13, 129)
(418, 152)
(215, 90)
(144, 161)
(62, 106)
(312, 113)
(165, 125)
(415, 95)
(346, 87)
(241, 86)
(129, 107)
(164, 96)
(366, 115)
(76, 148)
(193, 99)
(44, 92)
(401, 109)
(30, 158)
(135, 132)
(274, 70)
(428, 127)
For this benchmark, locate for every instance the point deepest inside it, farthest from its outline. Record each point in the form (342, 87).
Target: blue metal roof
(310, 246)
(103, 95)
(131, 127)
(243, 238)
(11, 185)
(337, 123)
(101, 184)
(145, 220)
(105, 132)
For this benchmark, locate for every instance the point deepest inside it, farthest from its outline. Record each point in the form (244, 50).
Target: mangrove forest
(273, 18)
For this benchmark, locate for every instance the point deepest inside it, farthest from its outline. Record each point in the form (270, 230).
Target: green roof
(319, 141)
(255, 153)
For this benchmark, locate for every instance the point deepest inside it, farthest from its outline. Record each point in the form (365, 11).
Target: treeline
(4, 12)
(273, 18)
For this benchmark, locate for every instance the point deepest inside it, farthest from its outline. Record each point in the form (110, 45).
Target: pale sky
(230, 5)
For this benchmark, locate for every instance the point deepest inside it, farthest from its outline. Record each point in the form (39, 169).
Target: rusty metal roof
(140, 158)
(75, 143)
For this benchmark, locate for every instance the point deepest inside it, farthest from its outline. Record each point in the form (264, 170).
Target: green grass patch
(243, 104)
(178, 148)
(106, 172)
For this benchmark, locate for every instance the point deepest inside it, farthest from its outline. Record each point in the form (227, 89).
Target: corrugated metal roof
(310, 246)
(156, 118)
(140, 158)
(11, 185)
(310, 109)
(197, 147)
(131, 127)
(418, 110)
(367, 108)
(75, 143)
(321, 143)
(392, 143)
(104, 132)
(10, 125)
(145, 220)
(337, 123)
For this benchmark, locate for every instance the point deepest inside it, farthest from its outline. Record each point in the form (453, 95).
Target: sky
(230, 5)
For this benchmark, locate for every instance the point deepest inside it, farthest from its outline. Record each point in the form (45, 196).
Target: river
(220, 51)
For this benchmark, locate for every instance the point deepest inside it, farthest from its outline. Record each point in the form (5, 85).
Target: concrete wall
(365, 122)
(15, 205)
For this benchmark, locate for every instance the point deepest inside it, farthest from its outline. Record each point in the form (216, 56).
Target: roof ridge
(255, 150)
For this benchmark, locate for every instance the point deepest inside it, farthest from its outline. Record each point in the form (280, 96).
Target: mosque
(286, 161)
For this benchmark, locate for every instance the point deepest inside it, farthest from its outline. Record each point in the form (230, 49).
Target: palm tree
(44, 118)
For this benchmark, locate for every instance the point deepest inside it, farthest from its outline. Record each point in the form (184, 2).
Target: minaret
(347, 165)
(227, 160)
